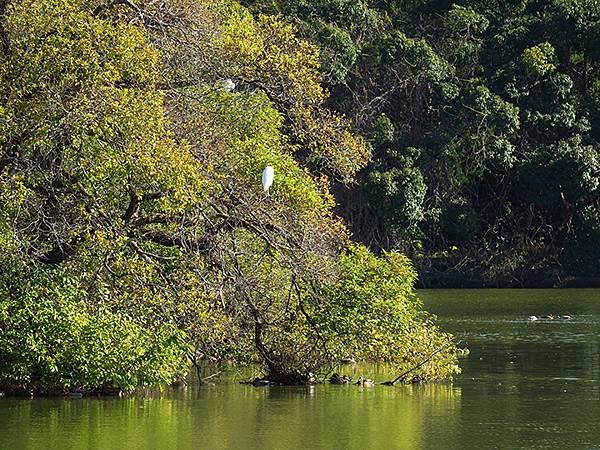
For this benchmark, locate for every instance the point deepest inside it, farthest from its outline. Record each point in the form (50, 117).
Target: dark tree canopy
(483, 118)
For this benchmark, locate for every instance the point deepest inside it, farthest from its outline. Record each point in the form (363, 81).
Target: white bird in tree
(228, 85)
(267, 178)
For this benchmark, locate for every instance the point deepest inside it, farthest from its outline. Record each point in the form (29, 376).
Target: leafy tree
(133, 230)
(375, 314)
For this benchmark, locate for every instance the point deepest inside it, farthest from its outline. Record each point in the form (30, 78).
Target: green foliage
(340, 27)
(383, 130)
(502, 99)
(464, 28)
(374, 314)
(459, 222)
(566, 170)
(54, 337)
(416, 57)
(401, 192)
(540, 59)
(266, 52)
(338, 53)
(581, 251)
(134, 232)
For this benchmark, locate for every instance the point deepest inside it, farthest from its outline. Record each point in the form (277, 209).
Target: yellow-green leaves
(266, 54)
(242, 134)
(81, 97)
(133, 196)
(540, 59)
(373, 309)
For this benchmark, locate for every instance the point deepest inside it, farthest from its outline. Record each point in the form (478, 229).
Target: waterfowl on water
(260, 382)
(548, 317)
(565, 317)
(340, 379)
(365, 382)
(76, 393)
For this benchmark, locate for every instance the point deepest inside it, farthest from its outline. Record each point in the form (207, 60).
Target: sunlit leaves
(130, 176)
(266, 54)
(374, 314)
(540, 59)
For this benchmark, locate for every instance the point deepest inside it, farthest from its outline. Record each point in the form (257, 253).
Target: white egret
(228, 85)
(267, 178)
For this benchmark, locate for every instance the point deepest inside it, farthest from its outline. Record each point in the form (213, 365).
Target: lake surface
(524, 385)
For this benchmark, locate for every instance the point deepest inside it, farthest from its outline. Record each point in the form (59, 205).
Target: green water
(525, 385)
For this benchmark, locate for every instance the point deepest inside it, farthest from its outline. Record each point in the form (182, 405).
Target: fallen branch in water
(402, 375)
(211, 376)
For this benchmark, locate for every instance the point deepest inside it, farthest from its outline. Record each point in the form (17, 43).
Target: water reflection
(524, 385)
(236, 416)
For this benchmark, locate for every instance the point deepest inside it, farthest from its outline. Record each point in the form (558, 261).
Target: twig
(211, 376)
(402, 375)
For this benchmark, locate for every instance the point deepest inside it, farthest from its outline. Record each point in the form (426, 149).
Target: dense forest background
(483, 120)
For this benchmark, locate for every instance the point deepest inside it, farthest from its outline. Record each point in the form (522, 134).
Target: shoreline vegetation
(135, 235)
(411, 144)
(210, 374)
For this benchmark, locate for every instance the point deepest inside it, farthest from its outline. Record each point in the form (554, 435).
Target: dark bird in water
(260, 382)
(340, 379)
